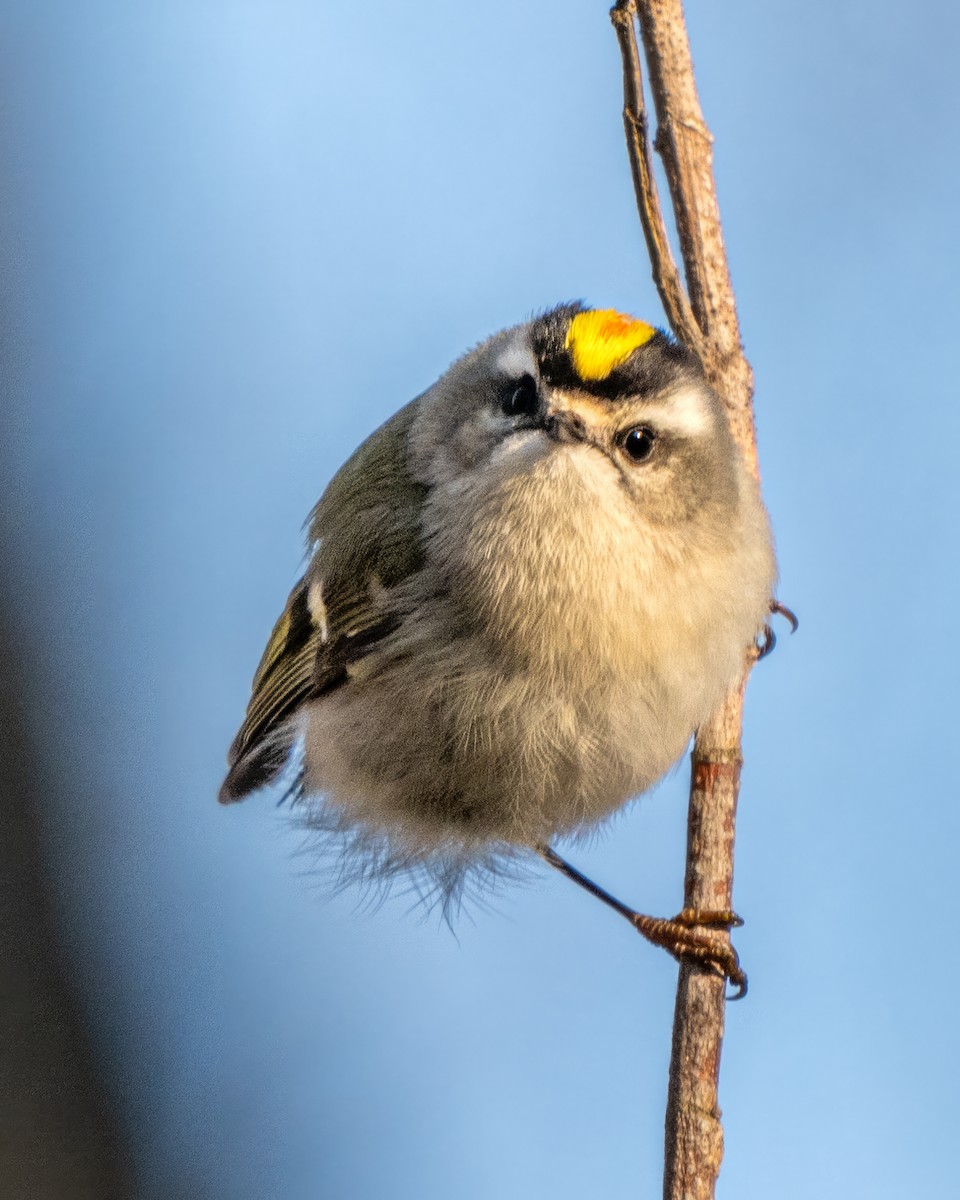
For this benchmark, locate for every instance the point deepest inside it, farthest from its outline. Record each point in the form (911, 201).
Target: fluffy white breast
(558, 655)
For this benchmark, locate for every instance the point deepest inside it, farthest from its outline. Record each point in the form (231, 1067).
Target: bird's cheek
(519, 450)
(476, 441)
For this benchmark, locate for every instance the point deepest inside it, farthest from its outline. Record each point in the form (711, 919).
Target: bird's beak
(564, 425)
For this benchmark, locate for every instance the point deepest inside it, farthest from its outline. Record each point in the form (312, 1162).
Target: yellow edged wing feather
(366, 537)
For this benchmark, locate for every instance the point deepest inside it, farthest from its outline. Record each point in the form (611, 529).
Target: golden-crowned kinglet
(527, 589)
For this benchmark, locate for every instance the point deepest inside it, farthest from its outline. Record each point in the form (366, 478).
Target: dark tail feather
(254, 770)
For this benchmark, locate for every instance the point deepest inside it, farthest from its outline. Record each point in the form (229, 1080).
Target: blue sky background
(236, 237)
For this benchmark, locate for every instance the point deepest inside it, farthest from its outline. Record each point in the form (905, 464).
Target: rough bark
(703, 314)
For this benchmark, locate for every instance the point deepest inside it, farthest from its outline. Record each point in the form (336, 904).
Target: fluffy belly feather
(540, 690)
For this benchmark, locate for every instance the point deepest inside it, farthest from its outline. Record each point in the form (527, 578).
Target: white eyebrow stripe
(685, 412)
(515, 361)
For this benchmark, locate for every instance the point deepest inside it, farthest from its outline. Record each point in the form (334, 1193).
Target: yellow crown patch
(600, 341)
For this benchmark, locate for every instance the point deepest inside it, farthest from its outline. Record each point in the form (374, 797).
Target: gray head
(622, 396)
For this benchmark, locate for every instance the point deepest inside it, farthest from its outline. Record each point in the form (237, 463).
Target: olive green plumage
(525, 592)
(308, 654)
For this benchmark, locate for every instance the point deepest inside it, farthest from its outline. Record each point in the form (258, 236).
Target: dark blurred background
(59, 1136)
(234, 237)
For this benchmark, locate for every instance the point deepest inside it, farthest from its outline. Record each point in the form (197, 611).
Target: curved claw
(788, 614)
(721, 959)
(686, 936)
(768, 639)
(726, 962)
(728, 965)
(766, 642)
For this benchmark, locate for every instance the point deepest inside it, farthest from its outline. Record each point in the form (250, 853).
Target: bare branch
(673, 295)
(693, 1131)
(686, 147)
(694, 1134)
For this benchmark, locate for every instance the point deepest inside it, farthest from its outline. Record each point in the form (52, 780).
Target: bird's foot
(688, 937)
(768, 639)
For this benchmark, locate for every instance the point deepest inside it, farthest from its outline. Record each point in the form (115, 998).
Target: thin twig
(686, 147)
(694, 1134)
(673, 295)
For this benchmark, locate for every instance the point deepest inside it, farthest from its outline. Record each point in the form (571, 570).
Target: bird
(524, 593)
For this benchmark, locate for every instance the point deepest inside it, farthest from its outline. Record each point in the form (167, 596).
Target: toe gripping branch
(687, 936)
(768, 639)
(690, 936)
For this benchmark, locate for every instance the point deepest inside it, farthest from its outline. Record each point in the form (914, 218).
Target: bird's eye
(521, 399)
(637, 444)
